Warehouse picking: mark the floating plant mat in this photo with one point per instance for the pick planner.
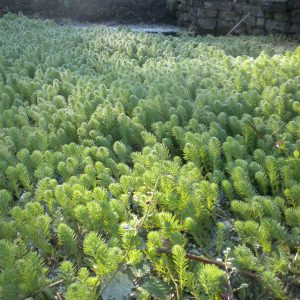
(136, 165)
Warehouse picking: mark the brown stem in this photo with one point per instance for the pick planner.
(152, 204)
(58, 296)
(48, 286)
(260, 135)
(55, 283)
(209, 261)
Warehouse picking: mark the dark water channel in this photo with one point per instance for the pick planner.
(165, 29)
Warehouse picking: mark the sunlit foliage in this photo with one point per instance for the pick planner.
(114, 144)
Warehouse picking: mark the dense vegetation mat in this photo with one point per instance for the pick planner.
(163, 167)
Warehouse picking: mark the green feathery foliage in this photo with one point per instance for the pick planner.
(114, 144)
(67, 239)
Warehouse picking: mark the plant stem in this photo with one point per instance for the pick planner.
(152, 203)
(209, 261)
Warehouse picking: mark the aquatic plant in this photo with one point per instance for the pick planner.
(173, 160)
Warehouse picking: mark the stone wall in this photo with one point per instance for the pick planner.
(201, 16)
(92, 10)
(220, 16)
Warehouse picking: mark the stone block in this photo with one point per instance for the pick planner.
(295, 28)
(243, 8)
(273, 5)
(218, 5)
(225, 25)
(241, 29)
(296, 16)
(258, 31)
(208, 24)
(260, 22)
(293, 4)
(183, 18)
(250, 22)
(276, 26)
(257, 12)
(273, 1)
(206, 13)
(228, 15)
(285, 16)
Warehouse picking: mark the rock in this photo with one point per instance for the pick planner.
(94, 10)
(293, 4)
(225, 26)
(229, 12)
(260, 22)
(295, 28)
(184, 18)
(118, 288)
(276, 26)
(228, 16)
(206, 13)
(244, 9)
(273, 5)
(257, 12)
(241, 29)
(258, 31)
(218, 5)
(250, 21)
(296, 16)
(282, 16)
(207, 23)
